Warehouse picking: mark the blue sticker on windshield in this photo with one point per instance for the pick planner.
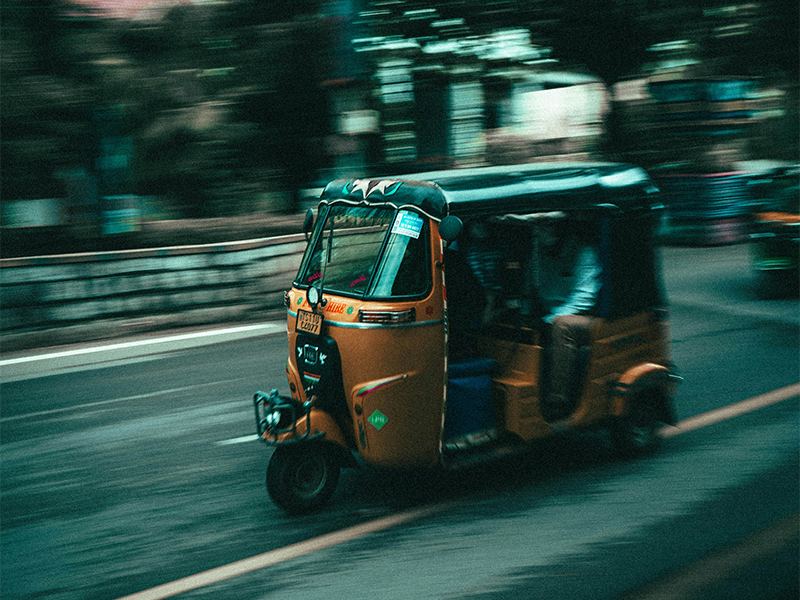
(408, 223)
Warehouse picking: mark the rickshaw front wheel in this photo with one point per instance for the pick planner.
(636, 433)
(301, 478)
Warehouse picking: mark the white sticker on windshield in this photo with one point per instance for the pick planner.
(408, 223)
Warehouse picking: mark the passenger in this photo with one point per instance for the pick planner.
(568, 281)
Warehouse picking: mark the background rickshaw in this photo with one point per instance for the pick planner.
(775, 231)
(416, 339)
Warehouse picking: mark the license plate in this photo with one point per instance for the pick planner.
(309, 322)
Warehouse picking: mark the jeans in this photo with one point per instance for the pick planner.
(568, 335)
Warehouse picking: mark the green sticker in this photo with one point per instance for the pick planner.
(378, 420)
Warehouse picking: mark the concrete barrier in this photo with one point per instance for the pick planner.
(93, 296)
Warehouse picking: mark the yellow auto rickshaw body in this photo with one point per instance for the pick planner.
(373, 367)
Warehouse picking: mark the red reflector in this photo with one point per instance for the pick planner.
(387, 316)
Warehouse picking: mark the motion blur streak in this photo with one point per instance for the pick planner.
(89, 405)
(732, 410)
(222, 334)
(280, 555)
(689, 581)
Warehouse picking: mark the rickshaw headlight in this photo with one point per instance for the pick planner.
(273, 419)
(312, 296)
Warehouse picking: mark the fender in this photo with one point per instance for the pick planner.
(322, 425)
(295, 386)
(642, 377)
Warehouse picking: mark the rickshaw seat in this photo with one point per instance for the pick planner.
(472, 367)
(470, 402)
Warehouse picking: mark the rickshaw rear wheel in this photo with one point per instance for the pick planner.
(636, 433)
(301, 479)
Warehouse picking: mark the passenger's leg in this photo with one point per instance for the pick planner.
(569, 334)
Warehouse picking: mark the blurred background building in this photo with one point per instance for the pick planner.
(116, 112)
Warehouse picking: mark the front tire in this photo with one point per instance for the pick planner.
(301, 478)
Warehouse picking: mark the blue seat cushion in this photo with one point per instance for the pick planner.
(470, 403)
(471, 367)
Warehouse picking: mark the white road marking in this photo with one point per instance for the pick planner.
(273, 557)
(732, 410)
(89, 405)
(690, 581)
(290, 552)
(259, 329)
(239, 440)
(97, 357)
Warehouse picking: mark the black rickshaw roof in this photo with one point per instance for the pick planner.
(517, 189)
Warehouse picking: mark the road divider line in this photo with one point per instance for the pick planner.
(258, 329)
(732, 410)
(239, 440)
(54, 411)
(690, 581)
(273, 557)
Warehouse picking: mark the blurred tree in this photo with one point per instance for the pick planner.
(224, 101)
(300, 113)
(45, 114)
(777, 38)
(607, 36)
(772, 50)
(43, 21)
(610, 39)
(251, 13)
(281, 67)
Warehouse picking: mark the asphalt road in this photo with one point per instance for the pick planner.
(131, 467)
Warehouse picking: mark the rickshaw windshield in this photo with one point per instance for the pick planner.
(376, 252)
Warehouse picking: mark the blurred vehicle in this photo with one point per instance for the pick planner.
(706, 209)
(420, 333)
(775, 230)
(701, 124)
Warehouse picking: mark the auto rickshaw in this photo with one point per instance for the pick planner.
(417, 339)
(775, 231)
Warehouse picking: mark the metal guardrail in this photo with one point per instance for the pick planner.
(179, 285)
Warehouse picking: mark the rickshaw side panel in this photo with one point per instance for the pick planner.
(625, 343)
(617, 347)
(395, 392)
(516, 386)
(405, 353)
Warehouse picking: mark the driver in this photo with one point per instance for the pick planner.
(566, 281)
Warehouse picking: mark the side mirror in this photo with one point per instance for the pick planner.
(450, 227)
(308, 223)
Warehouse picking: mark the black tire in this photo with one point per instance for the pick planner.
(301, 479)
(636, 433)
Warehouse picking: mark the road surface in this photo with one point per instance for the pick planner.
(129, 467)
